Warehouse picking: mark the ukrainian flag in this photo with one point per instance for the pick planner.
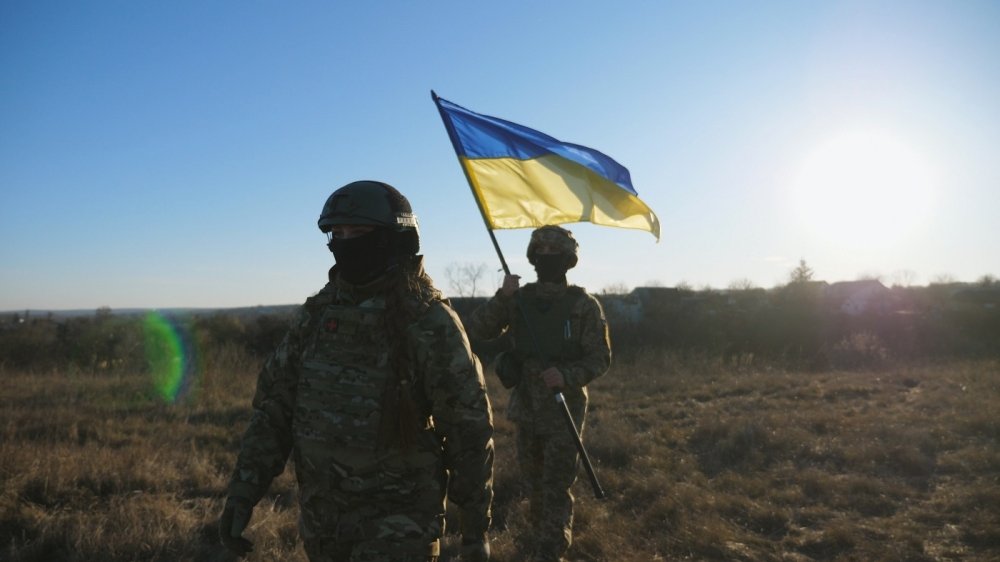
(523, 178)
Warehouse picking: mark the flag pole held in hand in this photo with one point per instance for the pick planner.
(625, 211)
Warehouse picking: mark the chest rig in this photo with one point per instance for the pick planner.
(544, 327)
(344, 372)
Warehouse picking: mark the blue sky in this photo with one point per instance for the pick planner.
(178, 154)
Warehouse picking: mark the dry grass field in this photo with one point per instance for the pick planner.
(702, 460)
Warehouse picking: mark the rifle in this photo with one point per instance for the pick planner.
(560, 399)
(598, 490)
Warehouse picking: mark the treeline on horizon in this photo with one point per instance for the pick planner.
(794, 326)
(800, 325)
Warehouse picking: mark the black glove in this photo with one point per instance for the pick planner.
(235, 517)
(475, 549)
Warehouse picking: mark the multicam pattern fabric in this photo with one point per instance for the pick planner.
(531, 401)
(319, 400)
(556, 236)
(570, 333)
(549, 461)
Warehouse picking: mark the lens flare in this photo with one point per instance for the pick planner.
(171, 356)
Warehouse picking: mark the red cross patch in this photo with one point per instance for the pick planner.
(331, 325)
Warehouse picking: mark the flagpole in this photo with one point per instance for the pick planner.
(560, 399)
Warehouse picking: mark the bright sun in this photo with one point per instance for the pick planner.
(862, 189)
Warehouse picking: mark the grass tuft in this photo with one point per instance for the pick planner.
(702, 459)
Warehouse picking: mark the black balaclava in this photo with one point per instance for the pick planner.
(363, 258)
(551, 268)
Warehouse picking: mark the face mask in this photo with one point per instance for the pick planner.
(551, 268)
(362, 258)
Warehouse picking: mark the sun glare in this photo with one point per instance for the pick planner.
(862, 189)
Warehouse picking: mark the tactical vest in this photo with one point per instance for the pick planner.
(545, 329)
(343, 376)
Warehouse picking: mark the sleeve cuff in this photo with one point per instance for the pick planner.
(570, 377)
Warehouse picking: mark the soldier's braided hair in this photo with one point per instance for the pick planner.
(409, 293)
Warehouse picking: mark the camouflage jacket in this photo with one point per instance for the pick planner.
(531, 400)
(297, 412)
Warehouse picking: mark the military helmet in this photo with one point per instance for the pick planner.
(554, 236)
(368, 202)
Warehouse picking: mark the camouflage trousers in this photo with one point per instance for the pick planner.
(390, 511)
(354, 536)
(549, 464)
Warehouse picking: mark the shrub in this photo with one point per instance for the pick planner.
(858, 350)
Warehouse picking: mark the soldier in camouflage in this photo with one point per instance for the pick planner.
(376, 396)
(560, 344)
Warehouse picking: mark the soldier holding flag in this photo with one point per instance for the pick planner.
(523, 178)
(560, 345)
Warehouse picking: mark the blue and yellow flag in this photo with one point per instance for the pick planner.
(523, 178)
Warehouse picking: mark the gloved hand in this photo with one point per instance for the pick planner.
(475, 549)
(235, 517)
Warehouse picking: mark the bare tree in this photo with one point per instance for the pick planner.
(743, 284)
(464, 278)
(943, 279)
(903, 278)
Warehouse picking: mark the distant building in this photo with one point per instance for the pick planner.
(858, 297)
(632, 307)
(978, 296)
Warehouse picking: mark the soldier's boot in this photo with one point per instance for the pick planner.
(553, 541)
(548, 557)
(552, 544)
(548, 552)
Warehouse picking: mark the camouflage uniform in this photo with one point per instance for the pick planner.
(321, 398)
(561, 326)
